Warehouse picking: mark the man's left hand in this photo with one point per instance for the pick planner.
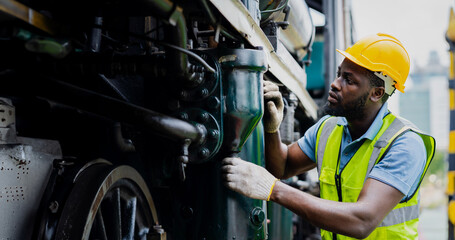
(247, 178)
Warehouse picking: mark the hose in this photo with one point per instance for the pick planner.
(276, 9)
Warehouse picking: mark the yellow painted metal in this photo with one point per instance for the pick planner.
(17, 10)
(451, 210)
(451, 29)
(451, 71)
(452, 99)
(450, 36)
(452, 142)
(450, 183)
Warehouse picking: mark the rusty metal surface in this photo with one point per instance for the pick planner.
(13, 9)
(24, 172)
(7, 122)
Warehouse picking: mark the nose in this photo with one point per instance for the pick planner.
(335, 85)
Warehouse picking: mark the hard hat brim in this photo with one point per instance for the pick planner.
(353, 59)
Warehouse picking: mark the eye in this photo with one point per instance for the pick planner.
(347, 78)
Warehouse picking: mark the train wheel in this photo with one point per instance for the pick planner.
(109, 203)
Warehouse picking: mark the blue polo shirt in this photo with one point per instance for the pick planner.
(401, 166)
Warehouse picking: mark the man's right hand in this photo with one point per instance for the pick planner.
(273, 114)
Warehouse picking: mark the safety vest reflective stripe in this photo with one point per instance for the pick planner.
(400, 215)
(396, 127)
(327, 127)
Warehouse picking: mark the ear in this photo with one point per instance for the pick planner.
(377, 93)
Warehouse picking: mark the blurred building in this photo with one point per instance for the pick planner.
(426, 101)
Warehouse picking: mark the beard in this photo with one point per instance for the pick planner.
(354, 110)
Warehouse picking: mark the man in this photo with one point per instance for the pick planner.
(370, 163)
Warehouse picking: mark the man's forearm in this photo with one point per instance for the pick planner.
(350, 219)
(275, 154)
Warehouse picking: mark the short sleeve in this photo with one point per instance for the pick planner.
(308, 142)
(403, 164)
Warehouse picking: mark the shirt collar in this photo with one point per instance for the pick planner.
(374, 127)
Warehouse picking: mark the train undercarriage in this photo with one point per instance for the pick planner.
(115, 114)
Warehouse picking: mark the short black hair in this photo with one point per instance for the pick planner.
(375, 81)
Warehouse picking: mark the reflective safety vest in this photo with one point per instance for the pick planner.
(345, 186)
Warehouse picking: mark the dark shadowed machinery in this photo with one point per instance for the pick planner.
(115, 114)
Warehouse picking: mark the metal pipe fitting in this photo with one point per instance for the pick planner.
(157, 123)
(175, 32)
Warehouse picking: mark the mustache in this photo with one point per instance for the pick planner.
(334, 94)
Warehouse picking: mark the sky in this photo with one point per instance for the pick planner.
(419, 24)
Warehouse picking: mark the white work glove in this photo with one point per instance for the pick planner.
(273, 114)
(247, 178)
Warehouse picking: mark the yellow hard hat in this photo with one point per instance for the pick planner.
(384, 55)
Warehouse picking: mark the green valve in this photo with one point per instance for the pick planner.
(257, 216)
(48, 46)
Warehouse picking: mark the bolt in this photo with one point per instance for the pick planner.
(204, 92)
(196, 68)
(214, 133)
(183, 159)
(201, 77)
(183, 116)
(204, 153)
(194, 80)
(203, 117)
(184, 94)
(53, 207)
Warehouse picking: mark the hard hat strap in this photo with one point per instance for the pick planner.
(389, 83)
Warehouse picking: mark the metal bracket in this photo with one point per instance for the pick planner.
(157, 234)
(272, 33)
(284, 24)
(183, 159)
(271, 30)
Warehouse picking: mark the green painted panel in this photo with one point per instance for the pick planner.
(315, 71)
